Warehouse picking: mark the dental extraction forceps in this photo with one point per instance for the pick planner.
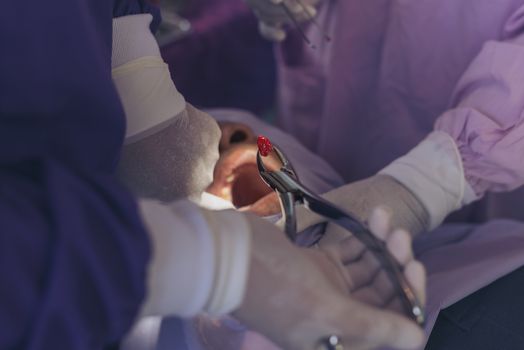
(290, 191)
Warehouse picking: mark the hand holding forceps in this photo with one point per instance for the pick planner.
(290, 191)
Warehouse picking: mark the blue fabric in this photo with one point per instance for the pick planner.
(73, 251)
(491, 318)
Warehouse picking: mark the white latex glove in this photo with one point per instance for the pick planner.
(175, 162)
(361, 197)
(272, 16)
(399, 208)
(368, 282)
(296, 296)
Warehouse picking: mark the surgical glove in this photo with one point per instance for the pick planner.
(175, 162)
(296, 296)
(368, 281)
(361, 197)
(273, 17)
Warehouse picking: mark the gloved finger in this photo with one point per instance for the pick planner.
(368, 295)
(292, 6)
(271, 33)
(379, 293)
(363, 272)
(379, 222)
(394, 304)
(399, 245)
(416, 275)
(297, 6)
(284, 13)
(382, 294)
(300, 12)
(334, 235)
(377, 328)
(384, 287)
(350, 250)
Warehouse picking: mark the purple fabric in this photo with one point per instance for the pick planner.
(73, 251)
(393, 68)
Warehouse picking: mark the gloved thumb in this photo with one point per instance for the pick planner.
(380, 328)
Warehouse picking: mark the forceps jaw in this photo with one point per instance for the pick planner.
(284, 183)
(282, 180)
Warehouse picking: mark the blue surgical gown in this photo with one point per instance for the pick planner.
(73, 250)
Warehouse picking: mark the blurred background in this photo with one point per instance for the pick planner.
(216, 56)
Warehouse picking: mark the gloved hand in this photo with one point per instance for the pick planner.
(296, 296)
(175, 162)
(368, 282)
(400, 208)
(361, 197)
(273, 17)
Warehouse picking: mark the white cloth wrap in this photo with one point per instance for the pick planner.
(433, 171)
(200, 259)
(142, 79)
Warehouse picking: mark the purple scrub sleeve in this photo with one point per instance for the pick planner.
(73, 250)
(395, 71)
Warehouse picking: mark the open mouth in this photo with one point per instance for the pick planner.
(236, 177)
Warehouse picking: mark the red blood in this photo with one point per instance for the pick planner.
(264, 146)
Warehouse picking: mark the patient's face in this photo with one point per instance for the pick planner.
(236, 177)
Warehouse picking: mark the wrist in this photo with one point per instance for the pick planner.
(433, 172)
(200, 259)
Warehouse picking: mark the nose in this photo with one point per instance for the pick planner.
(234, 134)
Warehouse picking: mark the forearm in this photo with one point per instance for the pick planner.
(200, 259)
(477, 144)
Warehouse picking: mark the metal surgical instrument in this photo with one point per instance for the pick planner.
(291, 192)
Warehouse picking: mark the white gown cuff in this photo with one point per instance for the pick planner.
(132, 39)
(433, 171)
(233, 247)
(142, 79)
(200, 259)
